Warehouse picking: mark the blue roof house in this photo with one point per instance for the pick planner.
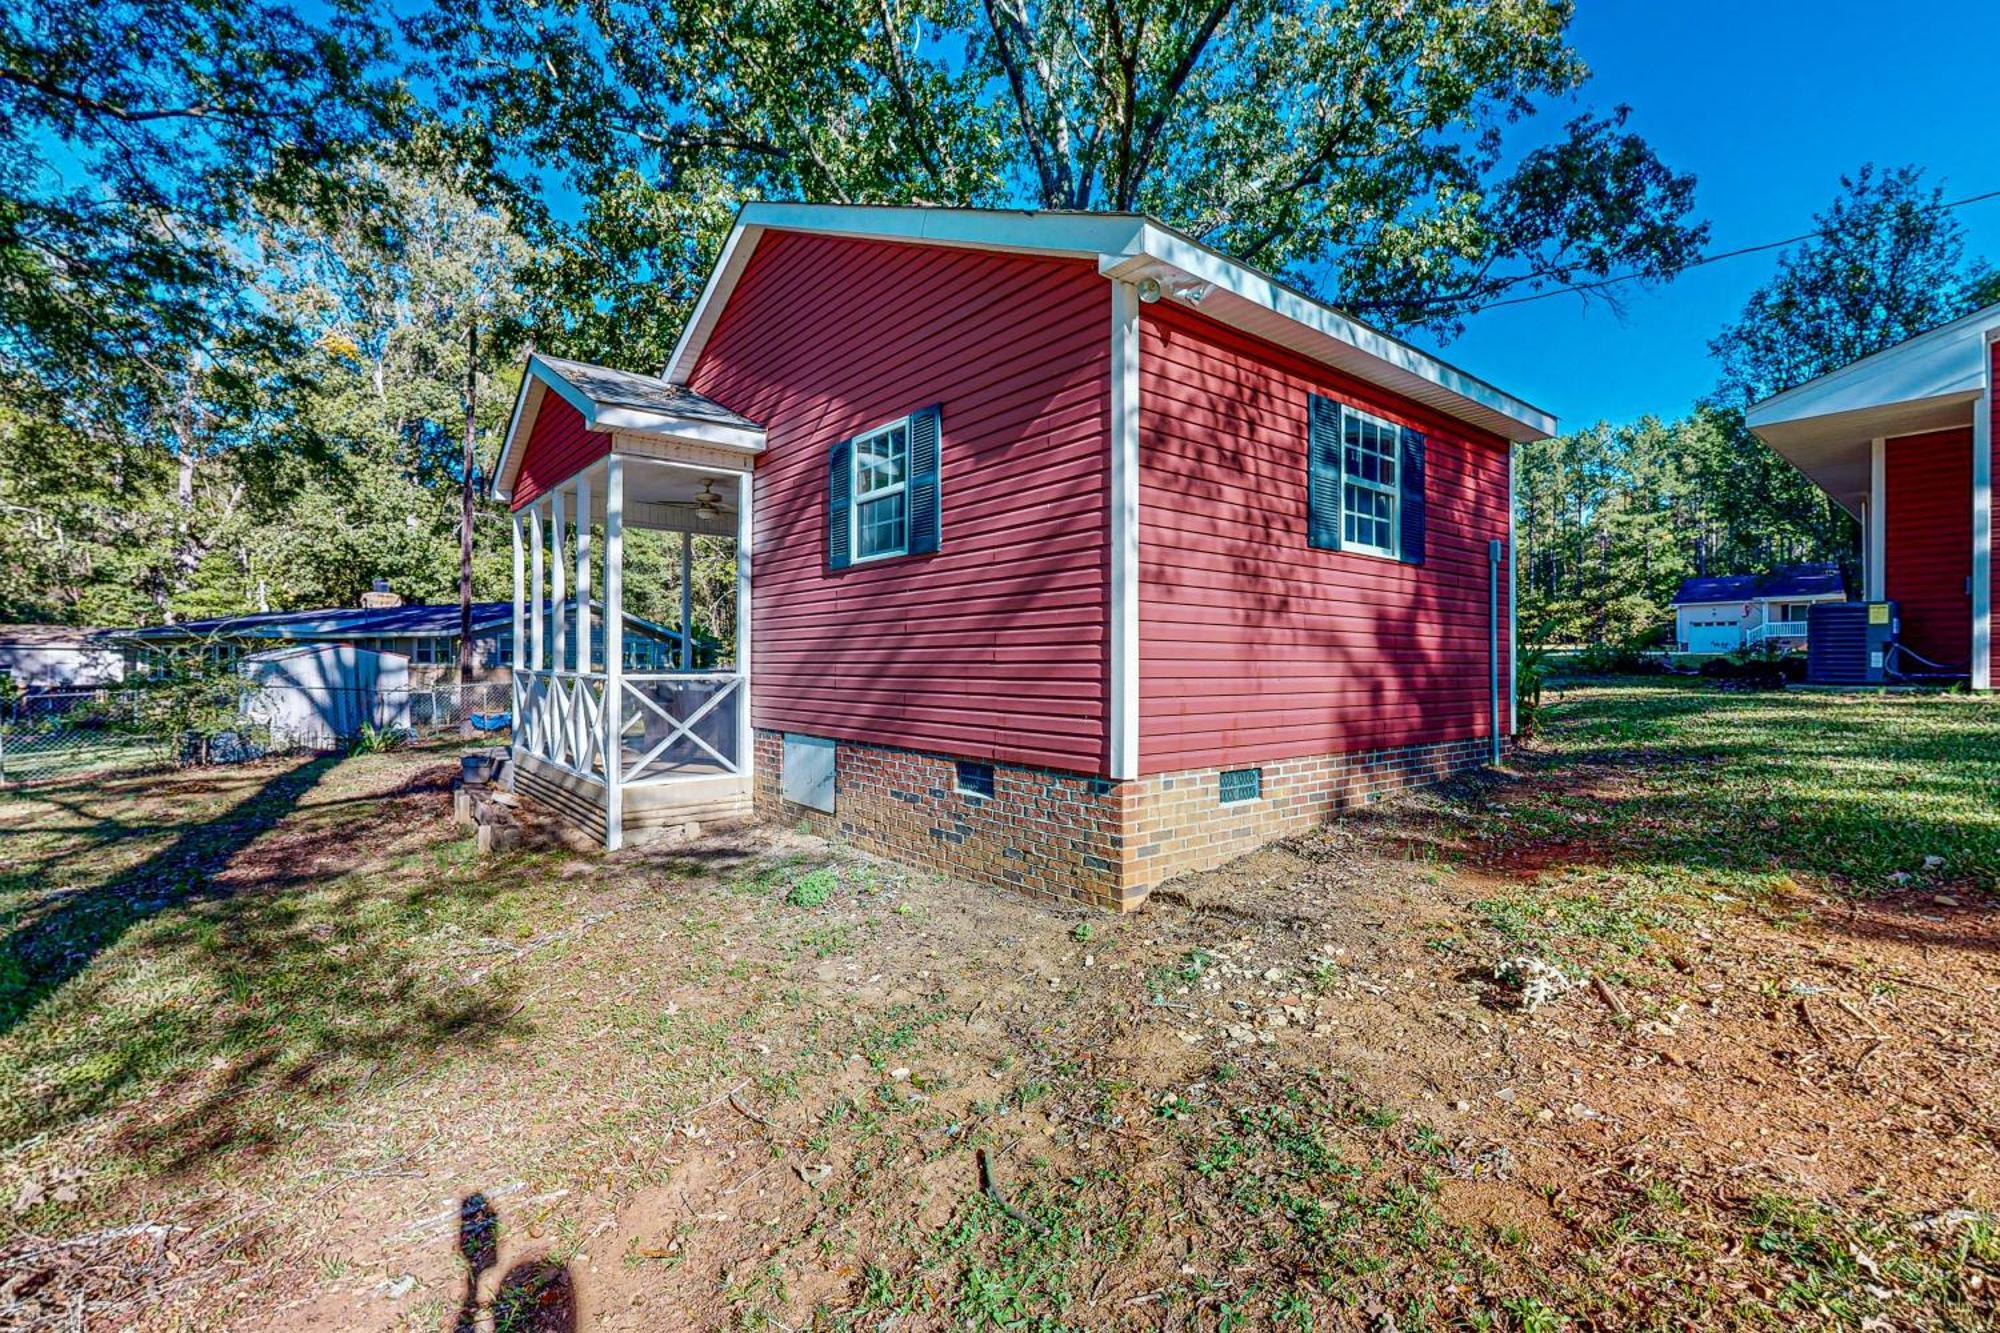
(1724, 613)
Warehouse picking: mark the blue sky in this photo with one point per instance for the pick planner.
(1768, 104)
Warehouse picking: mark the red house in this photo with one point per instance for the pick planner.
(1903, 440)
(1072, 555)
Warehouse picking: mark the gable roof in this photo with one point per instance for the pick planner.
(620, 400)
(1131, 247)
(1791, 581)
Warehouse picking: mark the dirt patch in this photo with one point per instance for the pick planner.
(1288, 1090)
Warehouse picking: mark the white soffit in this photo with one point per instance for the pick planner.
(1130, 246)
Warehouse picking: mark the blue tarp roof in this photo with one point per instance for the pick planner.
(415, 621)
(1791, 581)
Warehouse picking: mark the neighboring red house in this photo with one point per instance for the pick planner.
(1903, 440)
(1078, 555)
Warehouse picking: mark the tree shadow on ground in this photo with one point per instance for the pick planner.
(294, 946)
(59, 934)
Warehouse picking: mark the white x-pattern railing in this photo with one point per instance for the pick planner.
(643, 689)
(564, 719)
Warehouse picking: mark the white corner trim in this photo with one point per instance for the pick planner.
(1875, 574)
(1982, 525)
(1124, 519)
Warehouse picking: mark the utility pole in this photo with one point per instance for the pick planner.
(465, 499)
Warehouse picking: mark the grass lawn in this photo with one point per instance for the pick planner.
(278, 1050)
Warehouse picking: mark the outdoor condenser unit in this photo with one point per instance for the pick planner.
(1847, 643)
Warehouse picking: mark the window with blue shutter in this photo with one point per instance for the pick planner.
(839, 505)
(1323, 473)
(1365, 483)
(883, 493)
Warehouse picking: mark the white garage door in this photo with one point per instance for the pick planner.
(1714, 636)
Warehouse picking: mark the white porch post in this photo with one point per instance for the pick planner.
(687, 601)
(614, 652)
(1982, 524)
(539, 580)
(1874, 569)
(580, 713)
(745, 739)
(520, 592)
(558, 593)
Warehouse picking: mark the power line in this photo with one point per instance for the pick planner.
(1705, 260)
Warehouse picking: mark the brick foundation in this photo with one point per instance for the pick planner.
(1078, 838)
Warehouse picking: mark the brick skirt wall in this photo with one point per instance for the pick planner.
(1078, 838)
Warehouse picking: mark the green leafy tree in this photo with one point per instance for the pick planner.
(1886, 262)
(136, 138)
(1367, 149)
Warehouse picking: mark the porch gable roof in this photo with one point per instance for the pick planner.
(617, 400)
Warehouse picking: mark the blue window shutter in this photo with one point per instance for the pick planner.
(1323, 473)
(926, 530)
(839, 486)
(1411, 523)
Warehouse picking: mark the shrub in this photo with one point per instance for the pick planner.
(1618, 659)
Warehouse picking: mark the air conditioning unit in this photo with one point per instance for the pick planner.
(1848, 643)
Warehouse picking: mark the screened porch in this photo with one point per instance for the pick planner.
(611, 742)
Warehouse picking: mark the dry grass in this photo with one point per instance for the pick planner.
(268, 1030)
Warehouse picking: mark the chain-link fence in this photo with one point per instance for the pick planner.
(74, 733)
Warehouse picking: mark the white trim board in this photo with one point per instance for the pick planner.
(1123, 705)
(1982, 521)
(1130, 247)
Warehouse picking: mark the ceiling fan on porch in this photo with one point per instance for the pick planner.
(709, 503)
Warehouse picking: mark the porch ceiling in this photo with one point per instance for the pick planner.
(1834, 450)
(666, 497)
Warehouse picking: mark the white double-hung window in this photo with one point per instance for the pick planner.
(1369, 491)
(880, 492)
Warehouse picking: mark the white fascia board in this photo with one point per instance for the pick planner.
(519, 424)
(1205, 265)
(1942, 363)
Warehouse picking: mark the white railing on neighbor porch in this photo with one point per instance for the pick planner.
(1788, 632)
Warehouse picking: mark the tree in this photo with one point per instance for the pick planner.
(1886, 262)
(1360, 148)
(181, 122)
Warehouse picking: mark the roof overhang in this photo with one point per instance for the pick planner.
(1825, 426)
(605, 413)
(1131, 247)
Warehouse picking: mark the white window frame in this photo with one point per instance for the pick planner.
(855, 499)
(431, 650)
(1394, 492)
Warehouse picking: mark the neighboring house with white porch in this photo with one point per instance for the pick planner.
(1725, 613)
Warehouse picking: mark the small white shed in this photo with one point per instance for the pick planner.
(318, 695)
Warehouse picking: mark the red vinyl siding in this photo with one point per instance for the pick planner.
(1929, 542)
(1256, 647)
(995, 646)
(559, 447)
